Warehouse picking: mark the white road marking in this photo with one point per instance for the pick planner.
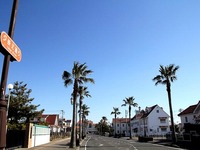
(86, 143)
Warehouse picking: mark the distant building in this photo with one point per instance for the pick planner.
(88, 126)
(65, 125)
(122, 126)
(151, 121)
(91, 127)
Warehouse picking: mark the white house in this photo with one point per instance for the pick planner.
(122, 126)
(151, 121)
(190, 115)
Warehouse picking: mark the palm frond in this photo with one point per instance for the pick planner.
(167, 74)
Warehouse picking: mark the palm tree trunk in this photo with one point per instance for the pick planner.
(80, 120)
(115, 124)
(171, 113)
(130, 121)
(73, 133)
(83, 126)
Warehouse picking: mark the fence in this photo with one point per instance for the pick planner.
(13, 142)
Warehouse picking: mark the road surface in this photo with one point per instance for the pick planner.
(96, 142)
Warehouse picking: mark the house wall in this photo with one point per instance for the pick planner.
(188, 118)
(154, 123)
(121, 128)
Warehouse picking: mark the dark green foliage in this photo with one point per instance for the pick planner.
(21, 111)
(103, 126)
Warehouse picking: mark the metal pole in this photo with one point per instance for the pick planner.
(4, 76)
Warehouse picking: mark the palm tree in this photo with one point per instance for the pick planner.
(82, 91)
(104, 119)
(77, 77)
(115, 112)
(85, 112)
(103, 122)
(166, 77)
(130, 102)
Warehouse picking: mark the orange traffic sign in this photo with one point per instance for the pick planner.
(10, 46)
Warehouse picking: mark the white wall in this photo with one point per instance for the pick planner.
(40, 135)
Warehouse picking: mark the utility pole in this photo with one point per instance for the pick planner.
(62, 114)
(4, 76)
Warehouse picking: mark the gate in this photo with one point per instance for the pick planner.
(15, 139)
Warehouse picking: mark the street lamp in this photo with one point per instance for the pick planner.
(10, 87)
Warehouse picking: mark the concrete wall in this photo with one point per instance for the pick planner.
(37, 135)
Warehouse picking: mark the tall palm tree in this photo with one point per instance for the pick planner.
(166, 77)
(77, 77)
(130, 102)
(82, 91)
(85, 112)
(115, 112)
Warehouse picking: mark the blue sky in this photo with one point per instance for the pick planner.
(122, 41)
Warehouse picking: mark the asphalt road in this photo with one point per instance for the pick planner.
(95, 142)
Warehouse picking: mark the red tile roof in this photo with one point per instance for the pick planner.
(188, 110)
(50, 119)
(120, 120)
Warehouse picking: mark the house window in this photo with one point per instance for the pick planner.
(163, 129)
(90, 125)
(118, 125)
(122, 125)
(186, 119)
(118, 131)
(162, 120)
(157, 111)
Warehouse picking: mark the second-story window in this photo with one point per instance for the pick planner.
(186, 119)
(162, 120)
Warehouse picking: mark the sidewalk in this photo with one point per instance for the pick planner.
(61, 144)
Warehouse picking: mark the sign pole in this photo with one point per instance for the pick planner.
(4, 76)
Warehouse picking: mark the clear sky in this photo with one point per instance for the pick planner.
(122, 41)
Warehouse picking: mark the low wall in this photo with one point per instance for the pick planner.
(37, 135)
